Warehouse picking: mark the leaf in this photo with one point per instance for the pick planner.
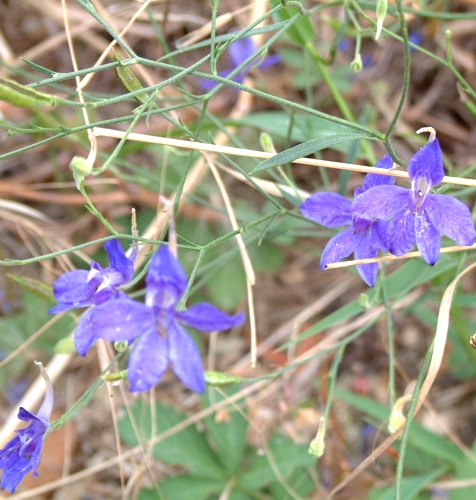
(37, 287)
(466, 469)
(306, 149)
(184, 488)
(420, 437)
(229, 433)
(188, 447)
(302, 31)
(287, 456)
(227, 285)
(411, 486)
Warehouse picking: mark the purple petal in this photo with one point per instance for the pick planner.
(59, 308)
(327, 209)
(240, 50)
(401, 232)
(84, 335)
(380, 202)
(381, 228)
(452, 218)
(185, 358)
(148, 361)
(427, 163)
(338, 247)
(365, 247)
(166, 280)
(71, 288)
(118, 260)
(428, 239)
(120, 319)
(372, 180)
(207, 318)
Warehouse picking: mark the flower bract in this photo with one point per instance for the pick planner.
(22, 454)
(80, 288)
(362, 236)
(416, 215)
(163, 338)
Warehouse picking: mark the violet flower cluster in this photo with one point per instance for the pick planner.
(157, 325)
(393, 218)
(22, 454)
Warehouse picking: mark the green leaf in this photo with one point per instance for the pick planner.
(420, 437)
(305, 149)
(37, 287)
(227, 285)
(302, 30)
(188, 447)
(184, 488)
(229, 435)
(287, 456)
(266, 257)
(411, 486)
(466, 469)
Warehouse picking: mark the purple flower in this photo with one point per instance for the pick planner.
(240, 50)
(22, 454)
(416, 214)
(363, 236)
(159, 324)
(82, 288)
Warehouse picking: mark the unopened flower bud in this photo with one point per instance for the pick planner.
(397, 417)
(120, 345)
(80, 167)
(317, 445)
(356, 65)
(267, 143)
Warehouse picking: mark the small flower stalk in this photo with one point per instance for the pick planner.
(22, 454)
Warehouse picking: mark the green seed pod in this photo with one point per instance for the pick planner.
(356, 65)
(317, 446)
(218, 379)
(381, 13)
(23, 96)
(128, 79)
(115, 376)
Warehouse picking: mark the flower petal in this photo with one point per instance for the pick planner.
(380, 202)
(427, 163)
(208, 318)
(118, 260)
(401, 232)
(84, 335)
(120, 319)
(71, 288)
(166, 280)
(452, 218)
(148, 361)
(185, 358)
(327, 209)
(428, 239)
(338, 247)
(372, 180)
(366, 246)
(240, 50)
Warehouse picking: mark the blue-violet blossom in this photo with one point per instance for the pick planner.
(22, 454)
(240, 50)
(159, 324)
(82, 288)
(416, 214)
(363, 236)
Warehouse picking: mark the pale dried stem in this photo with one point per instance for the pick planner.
(217, 148)
(248, 266)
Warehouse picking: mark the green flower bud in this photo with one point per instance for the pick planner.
(356, 65)
(121, 345)
(80, 167)
(218, 379)
(381, 13)
(267, 143)
(317, 445)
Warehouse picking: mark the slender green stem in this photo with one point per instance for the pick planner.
(406, 71)
(410, 415)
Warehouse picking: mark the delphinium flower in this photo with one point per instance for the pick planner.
(163, 339)
(416, 214)
(23, 453)
(363, 236)
(81, 288)
(239, 51)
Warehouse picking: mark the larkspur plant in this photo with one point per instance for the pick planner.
(239, 51)
(415, 214)
(80, 288)
(23, 453)
(116, 317)
(362, 236)
(387, 217)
